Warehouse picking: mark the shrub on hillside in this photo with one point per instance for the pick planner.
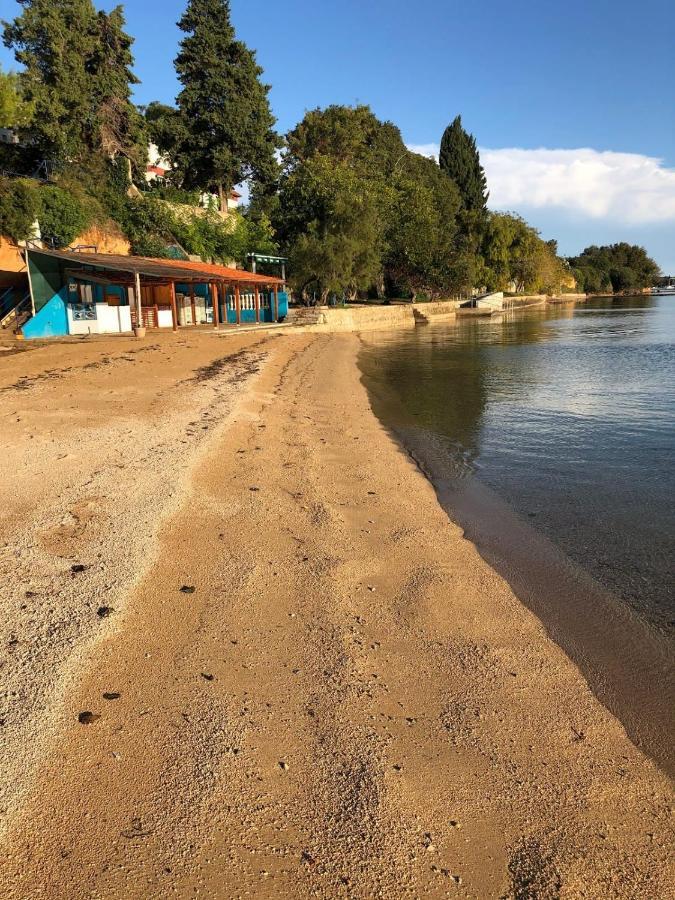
(18, 208)
(62, 216)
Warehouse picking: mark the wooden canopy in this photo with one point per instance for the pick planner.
(132, 272)
(124, 269)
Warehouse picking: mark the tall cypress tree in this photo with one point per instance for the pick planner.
(460, 160)
(77, 74)
(224, 107)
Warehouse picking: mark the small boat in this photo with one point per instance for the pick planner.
(664, 289)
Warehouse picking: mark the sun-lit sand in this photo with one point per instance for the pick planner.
(245, 651)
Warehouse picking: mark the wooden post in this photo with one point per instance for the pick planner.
(140, 327)
(257, 303)
(174, 313)
(215, 301)
(192, 304)
(237, 303)
(276, 303)
(222, 298)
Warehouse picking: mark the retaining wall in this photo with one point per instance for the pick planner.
(367, 318)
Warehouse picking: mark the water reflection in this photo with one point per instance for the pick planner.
(566, 412)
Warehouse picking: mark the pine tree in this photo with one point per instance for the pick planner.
(460, 160)
(77, 74)
(224, 107)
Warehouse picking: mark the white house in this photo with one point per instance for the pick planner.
(159, 165)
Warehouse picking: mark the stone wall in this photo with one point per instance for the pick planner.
(366, 318)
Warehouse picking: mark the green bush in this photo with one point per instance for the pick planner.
(18, 208)
(62, 216)
(151, 225)
(161, 191)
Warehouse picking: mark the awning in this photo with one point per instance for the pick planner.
(160, 270)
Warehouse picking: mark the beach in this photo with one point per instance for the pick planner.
(248, 653)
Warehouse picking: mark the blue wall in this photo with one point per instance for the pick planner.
(50, 321)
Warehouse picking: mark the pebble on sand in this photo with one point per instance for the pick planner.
(187, 589)
(111, 695)
(87, 717)
(104, 611)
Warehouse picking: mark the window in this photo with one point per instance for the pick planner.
(82, 302)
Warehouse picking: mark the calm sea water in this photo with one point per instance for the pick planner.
(565, 414)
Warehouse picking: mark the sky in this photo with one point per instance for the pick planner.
(572, 103)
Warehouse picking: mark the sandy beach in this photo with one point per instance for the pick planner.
(246, 653)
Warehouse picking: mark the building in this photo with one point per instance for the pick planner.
(75, 292)
(159, 165)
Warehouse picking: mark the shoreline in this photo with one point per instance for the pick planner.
(622, 652)
(625, 659)
(351, 701)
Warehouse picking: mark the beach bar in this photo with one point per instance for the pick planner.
(74, 292)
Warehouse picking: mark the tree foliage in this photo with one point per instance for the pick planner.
(77, 76)
(459, 159)
(225, 134)
(424, 253)
(18, 208)
(164, 125)
(61, 215)
(514, 256)
(357, 210)
(617, 267)
(15, 111)
(336, 247)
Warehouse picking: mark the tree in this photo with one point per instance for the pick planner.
(15, 111)
(616, 267)
(338, 249)
(164, 126)
(424, 254)
(53, 41)
(77, 74)
(459, 159)
(227, 126)
(119, 125)
(18, 208)
(364, 210)
(513, 253)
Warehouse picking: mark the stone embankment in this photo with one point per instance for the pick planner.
(364, 318)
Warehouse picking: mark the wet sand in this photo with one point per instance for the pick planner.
(310, 684)
(626, 661)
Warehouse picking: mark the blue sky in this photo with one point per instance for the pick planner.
(526, 75)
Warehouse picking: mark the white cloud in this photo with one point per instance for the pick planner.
(625, 187)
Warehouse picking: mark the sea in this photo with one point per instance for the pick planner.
(549, 435)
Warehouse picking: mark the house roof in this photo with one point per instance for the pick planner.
(176, 270)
